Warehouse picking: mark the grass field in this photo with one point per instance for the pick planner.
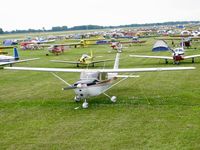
(159, 110)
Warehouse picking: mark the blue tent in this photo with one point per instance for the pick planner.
(9, 42)
(102, 42)
(160, 45)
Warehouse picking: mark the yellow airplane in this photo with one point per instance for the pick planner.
(84, 60)
(4, 47)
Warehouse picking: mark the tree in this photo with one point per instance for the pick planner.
(1, 31)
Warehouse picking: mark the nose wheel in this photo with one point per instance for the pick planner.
(85, 104)
(113, 99)
(77, 99)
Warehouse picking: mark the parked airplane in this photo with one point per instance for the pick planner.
(75, 45)
(117, 46)
(56, 49)
(2, 52)
(59, 48)
(5, 60)
(94, 82)
(84, 60)
(177, 56)
(4, 47)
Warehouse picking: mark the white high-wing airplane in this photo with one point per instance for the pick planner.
(94, 82)
(177, 55)
(9, 60)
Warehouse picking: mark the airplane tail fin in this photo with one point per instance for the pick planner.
(91, 54)
(116, 65)
(15, 53)
(182, 44)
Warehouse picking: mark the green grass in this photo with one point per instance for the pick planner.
(159, 110)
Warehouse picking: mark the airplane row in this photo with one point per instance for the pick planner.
(177, 56)
(92, 82)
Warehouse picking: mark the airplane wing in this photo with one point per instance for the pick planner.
(67, 44)
(146, 56)
(6, 47)
(191, 56)
(77, 62)
(63, 61)
(100, 61)
(128, 70)
(17, 61)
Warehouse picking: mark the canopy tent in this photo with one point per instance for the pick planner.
(160, 45)
(9, 42)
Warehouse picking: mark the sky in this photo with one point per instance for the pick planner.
(26, 14)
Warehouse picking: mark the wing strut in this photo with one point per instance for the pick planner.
(55, 75)
(116, 84)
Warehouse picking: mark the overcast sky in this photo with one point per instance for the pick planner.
(25, 14)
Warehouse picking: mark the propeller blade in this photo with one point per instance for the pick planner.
(69, 88)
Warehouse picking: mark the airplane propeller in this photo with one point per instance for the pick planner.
(70, 87)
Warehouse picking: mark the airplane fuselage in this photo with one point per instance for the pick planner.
(85, 59)
(178, 57)
(86, 91)
(178, 54)
(92, 84)
(56, 49)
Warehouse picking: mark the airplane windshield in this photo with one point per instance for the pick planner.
(89, 75)
(179, 50)
(84, 56)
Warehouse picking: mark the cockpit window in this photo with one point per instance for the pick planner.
(89, 75)
(84, 56)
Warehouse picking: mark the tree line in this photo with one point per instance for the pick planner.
(91, 27)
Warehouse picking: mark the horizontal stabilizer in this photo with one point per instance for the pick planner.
(64, 61)
(100, 61)
(17, 61)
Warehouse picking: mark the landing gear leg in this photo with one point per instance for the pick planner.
(176, 62)
(77, 99)
(192, 60)
(85, 104)
(113, 98)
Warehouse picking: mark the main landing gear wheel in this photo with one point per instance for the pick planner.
(113, 99)
(192, 60)
(85, 104)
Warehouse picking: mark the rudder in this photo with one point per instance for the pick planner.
(15, 53)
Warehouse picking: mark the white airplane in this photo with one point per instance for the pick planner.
(177, 55)
(9, 60)
(94, 82)
(117, 46)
